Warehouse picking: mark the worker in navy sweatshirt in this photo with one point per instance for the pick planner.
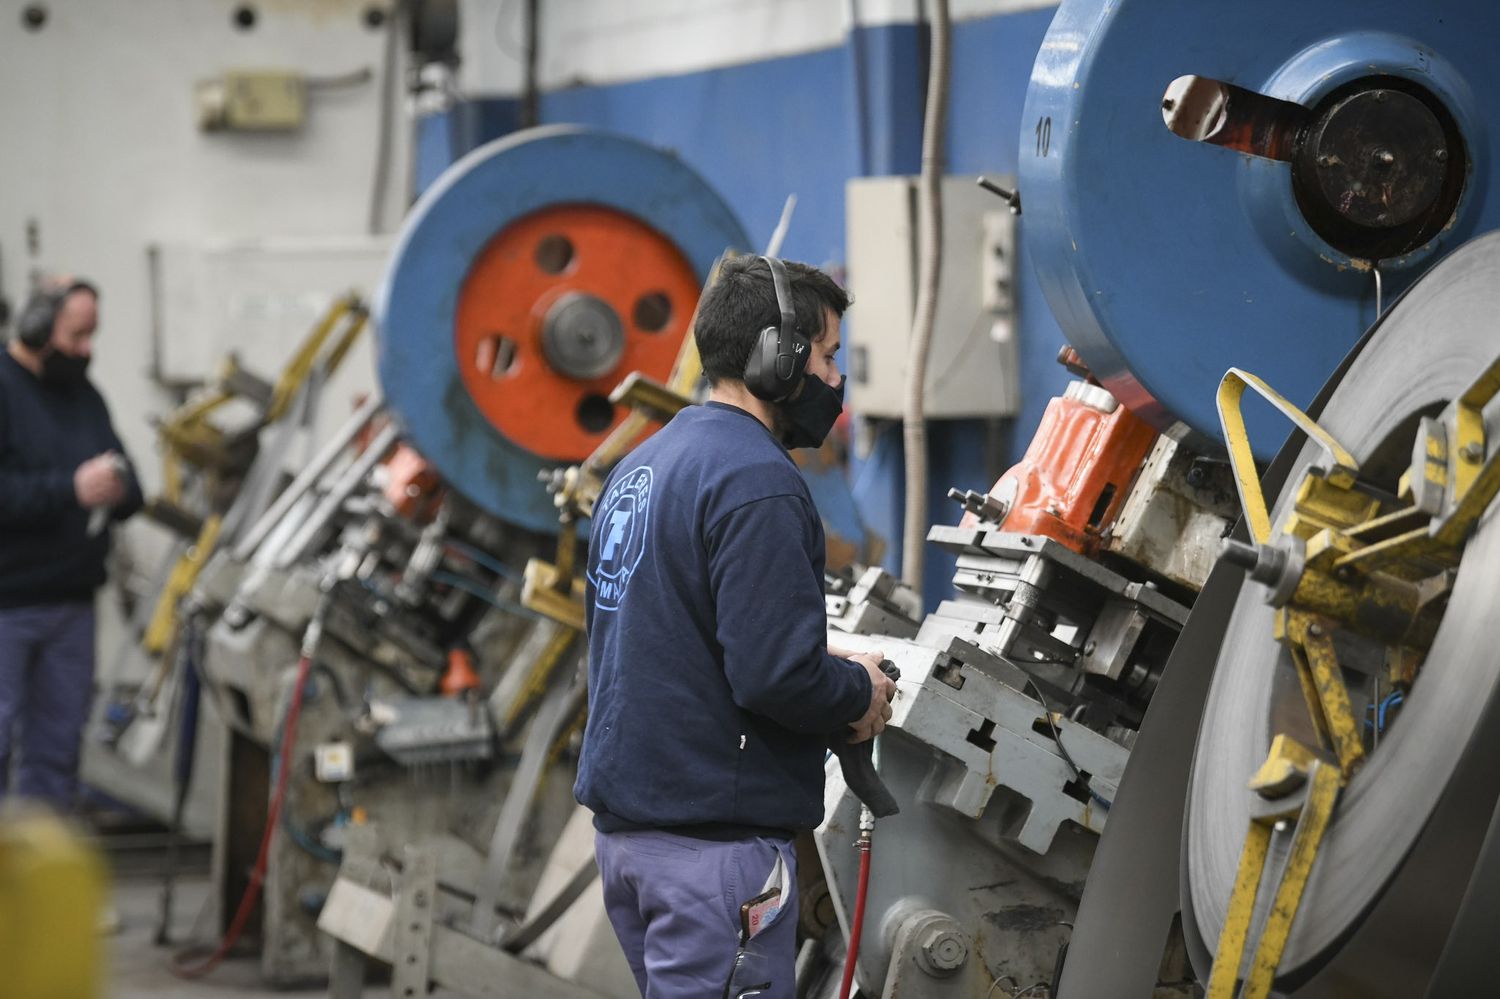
(712, 693)
(63, 478)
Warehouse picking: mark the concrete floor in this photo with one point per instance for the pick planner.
(139, 969)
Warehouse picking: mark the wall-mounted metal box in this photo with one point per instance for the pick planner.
(248, 100)
(971, 370)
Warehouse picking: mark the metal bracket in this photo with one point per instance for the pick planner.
(348, 312)
(361, 917)
(541, 593)
(653, 399)
(1309, 638)
(412, 933)
(164, 618)
(1286, 763)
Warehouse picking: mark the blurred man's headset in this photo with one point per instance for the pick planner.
(34, 328)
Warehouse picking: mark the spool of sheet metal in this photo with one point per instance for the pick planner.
(533, 276)
(1206, 185)
(1398, 854)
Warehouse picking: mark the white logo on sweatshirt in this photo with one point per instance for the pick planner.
(621, 522)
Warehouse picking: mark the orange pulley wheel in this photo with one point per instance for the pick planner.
(557, 309)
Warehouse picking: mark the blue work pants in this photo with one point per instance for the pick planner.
(46, 687)
(674, 902)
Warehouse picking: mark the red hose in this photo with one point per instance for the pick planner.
(273, 816)
(856, 929)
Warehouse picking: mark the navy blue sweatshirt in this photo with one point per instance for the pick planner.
(46, 431)
(711, 690)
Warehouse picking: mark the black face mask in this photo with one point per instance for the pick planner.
(806, 418)
(63, 369)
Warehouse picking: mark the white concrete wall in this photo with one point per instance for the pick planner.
(101, 150)
(609, 41)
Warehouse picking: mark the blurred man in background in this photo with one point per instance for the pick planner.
(63, 478)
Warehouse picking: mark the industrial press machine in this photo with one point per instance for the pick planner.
(1125, 765)
(1221, 227)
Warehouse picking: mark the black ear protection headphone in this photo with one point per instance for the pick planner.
(779, 357)
(34, 327)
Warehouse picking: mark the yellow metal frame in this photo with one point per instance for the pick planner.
(163, 626)
(189, 438)
(1310, 642)
(539, 675)
(349, 310)
(1469, 439)
(1342, 471)
(1312, 815)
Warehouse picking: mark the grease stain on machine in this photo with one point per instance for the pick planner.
(1025, 918)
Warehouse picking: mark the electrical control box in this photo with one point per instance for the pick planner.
(260, 100)
(972, 364)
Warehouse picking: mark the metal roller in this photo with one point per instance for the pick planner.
(1393, 866)
(1182, 226)
(532, 277)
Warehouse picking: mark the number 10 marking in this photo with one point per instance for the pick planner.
(1043, 135)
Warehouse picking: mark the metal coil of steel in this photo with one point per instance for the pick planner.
(1406, 834)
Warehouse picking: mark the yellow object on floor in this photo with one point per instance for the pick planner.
(51, 894)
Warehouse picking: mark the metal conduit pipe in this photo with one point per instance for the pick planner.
(930, 249)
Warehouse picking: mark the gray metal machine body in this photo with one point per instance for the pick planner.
(381, 759)
(1010, 734)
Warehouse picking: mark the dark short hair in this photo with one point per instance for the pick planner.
(743, 302)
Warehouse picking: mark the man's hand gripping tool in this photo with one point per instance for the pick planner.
(858, 764)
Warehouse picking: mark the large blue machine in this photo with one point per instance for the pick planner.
(1343, 137)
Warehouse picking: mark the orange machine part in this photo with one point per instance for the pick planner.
(503, 306)
(1075, 475)
(460, 677)
(412, 485)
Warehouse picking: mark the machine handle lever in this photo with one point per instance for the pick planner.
(1011, 198)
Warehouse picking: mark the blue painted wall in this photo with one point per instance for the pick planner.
(805, 124)
(443, 138)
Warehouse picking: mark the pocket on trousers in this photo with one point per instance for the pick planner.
(788, 855)
(756, 863)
